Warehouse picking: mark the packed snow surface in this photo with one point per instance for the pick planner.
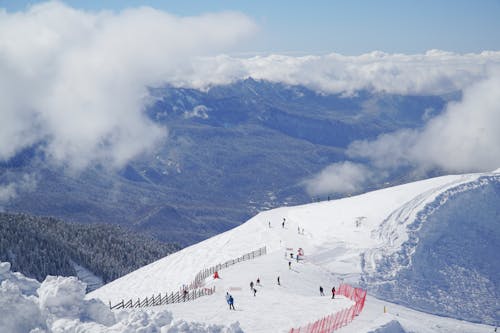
(342, 240)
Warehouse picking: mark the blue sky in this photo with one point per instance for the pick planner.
(348, 27)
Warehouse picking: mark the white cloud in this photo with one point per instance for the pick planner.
(78, 80)
(199, 111)
(435, 72)
(465, 138)
(9, 191)
(343, 177)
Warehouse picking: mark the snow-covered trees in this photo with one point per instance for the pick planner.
(41, 246)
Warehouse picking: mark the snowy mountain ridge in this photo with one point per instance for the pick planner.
(348, 239)
(394, 227)
(411, 217)
(401, 224)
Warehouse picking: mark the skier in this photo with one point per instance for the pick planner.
(251, 285)
(289, 265)
(321, 291)
(230, 301)
(269, 224)
(283, 224)
(333, 292)
(279, 281)
(258, 281)
(254, 291)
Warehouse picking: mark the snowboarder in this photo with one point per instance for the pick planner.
(279, 281)
(333, 292)
(251, 285)
(321, 291)
(254, 291)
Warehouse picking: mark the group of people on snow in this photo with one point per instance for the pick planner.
(321, 293)
(229, 297)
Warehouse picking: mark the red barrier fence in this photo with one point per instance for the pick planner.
(339, 319)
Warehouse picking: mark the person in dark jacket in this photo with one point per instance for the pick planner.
(230, 301)
(333, 292)
(321, 291)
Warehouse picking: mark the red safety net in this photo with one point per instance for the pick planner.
(339, 319)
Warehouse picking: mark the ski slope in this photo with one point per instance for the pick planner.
(342, 239)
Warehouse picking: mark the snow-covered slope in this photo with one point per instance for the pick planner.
(349, 240)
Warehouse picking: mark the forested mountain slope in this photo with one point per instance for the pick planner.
(41, 246)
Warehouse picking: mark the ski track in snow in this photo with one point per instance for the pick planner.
(399, 231)
(393, 231)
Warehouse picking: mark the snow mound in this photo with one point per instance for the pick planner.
(452, 242)
(58, 305)
(61, 296)
(391, 327)
(19, 313)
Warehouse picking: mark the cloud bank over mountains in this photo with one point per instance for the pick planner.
(465, 138)
(433, 73)
(78, 81)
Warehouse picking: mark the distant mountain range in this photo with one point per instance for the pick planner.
(232, 151)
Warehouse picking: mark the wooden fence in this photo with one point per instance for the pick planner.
(202, 275)
(177, 297)
(192, 291)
